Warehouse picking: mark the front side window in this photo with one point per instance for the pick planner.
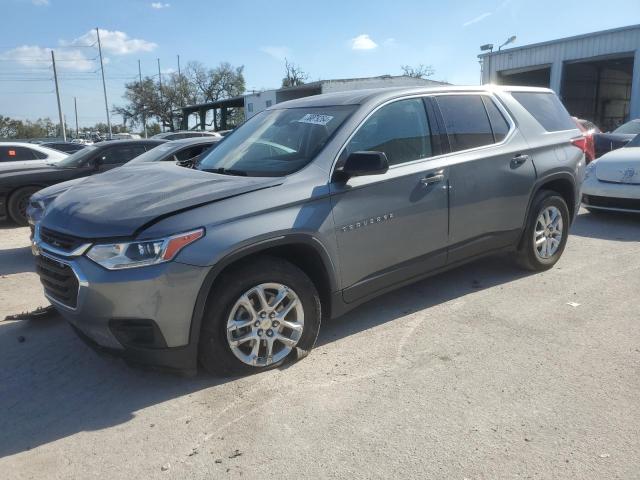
(275, 143)
(466, 121)
(399, 129)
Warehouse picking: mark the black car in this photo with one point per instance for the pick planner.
(606, 142)
(66, 147)
(16, 186)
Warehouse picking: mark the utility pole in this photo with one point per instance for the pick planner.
(161, 99)
(104, 85)
(179, 73)
(55, 79)
(75, 107)
(144, 117)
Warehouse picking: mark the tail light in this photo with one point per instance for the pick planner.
(585, 143)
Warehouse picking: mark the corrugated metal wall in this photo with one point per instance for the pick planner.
(555, 53)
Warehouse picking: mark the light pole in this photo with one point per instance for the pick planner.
(509, 40)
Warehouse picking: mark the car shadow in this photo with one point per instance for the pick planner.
(52, 385)
(16, 260)
(617, 226)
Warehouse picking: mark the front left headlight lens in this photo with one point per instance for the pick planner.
(117, 256)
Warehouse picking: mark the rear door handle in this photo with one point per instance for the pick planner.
(519, 160)
(434, 177)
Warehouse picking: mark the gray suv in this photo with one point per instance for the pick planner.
(307, 210)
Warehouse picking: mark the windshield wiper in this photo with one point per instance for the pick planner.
(225, 171)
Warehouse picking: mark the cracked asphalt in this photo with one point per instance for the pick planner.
(484, 372)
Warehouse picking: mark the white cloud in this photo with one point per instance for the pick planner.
(477, 19)
(40, 3)
(363, 42)
(114, 42)
(277, 52)
(73, 55)
(159, 5)
(34, 56)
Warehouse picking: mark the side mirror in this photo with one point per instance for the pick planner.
(362, 163)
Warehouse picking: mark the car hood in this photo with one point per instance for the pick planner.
(620, 166)
(120, 202)
(55, 190)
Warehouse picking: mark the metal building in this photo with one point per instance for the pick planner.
(597, 75)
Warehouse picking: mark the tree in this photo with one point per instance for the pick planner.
(199, 84)
(421, 71)
(294, 75)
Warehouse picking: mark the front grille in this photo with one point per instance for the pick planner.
(59, 281)
(59, 240)
(611, 202)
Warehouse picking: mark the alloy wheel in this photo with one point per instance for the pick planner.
(265, 324)
(548, 232)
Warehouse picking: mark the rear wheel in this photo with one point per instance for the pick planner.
(18, 203)
(546, 233)
(260, 315)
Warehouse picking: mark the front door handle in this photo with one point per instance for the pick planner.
(519, 160)
(434, 177)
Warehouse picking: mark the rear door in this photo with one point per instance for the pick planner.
(491, 174)
(392, 227)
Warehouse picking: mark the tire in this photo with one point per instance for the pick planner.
(226, 309)
(17, 204)
(545, 255)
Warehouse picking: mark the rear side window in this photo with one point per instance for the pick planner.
(499, 125)
(400, 130)
(16, 154)
(547, 109)
(466, 121)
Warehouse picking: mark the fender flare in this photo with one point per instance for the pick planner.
(242, 252)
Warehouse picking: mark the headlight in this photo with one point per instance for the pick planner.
(116, 256)
(591, 169)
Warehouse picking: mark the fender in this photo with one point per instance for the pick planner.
(214, 272)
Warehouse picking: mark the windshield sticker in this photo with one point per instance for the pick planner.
(316, 119)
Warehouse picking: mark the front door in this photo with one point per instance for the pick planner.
(392, 227)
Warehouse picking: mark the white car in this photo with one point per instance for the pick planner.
(612, 182)
(22, 154)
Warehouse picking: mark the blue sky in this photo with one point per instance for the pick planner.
(328, 39)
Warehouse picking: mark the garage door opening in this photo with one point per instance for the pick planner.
(539, 77)
(599, 90)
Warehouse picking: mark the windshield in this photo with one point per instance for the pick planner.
(78, 158)
(632, 128)
(276, 143)
(635, 142)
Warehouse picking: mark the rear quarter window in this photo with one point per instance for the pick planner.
(547, 109)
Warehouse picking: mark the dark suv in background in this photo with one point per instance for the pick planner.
(310, 208)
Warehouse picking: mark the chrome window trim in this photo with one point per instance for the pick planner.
(498, 104)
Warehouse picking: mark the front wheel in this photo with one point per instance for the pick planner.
(260, 314)
(546, 232)
(18, 203)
